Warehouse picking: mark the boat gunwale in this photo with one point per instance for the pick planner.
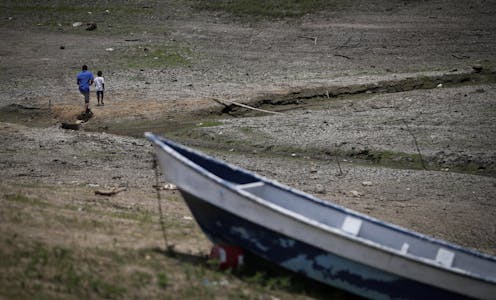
(167, 144)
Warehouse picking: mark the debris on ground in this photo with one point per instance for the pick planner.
(166, 187)
(72, 126)
(110, 192)
(85, 115)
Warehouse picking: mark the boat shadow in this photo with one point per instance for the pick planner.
(265, 273)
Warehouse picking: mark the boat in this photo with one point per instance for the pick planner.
(319, 239)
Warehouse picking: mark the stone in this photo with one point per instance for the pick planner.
(477, 68)
(320, 189)
(355, 194)
(71, 126)
(91, 26)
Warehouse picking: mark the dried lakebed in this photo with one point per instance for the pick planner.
(422, 159)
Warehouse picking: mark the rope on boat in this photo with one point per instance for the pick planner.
(159, 201)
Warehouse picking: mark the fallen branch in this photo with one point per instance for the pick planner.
(314, 39)
(111, 192)
(460, 57)
(245, 106)
(340, 55)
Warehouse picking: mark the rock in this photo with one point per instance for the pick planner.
(77, 24)
(109, 49)
(71, 126)
(320, 189)
(355, 194)
(170, 186)
(477, 68)
(367, 183)
(91, 26)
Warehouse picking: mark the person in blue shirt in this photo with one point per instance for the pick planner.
(84, 80)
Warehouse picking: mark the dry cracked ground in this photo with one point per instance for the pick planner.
(386, 108)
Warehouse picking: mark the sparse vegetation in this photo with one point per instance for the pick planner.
(62, 15)
(271, 9)
(65, 262)
(208, 124)
(36, 267)
(154, 56)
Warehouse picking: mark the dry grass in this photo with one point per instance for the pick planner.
(65, 242)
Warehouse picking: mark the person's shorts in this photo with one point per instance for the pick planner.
(99, 93)
(86, 95)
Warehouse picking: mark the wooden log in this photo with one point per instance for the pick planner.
(245, 106)
(111, 192)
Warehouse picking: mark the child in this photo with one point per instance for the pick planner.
(100, 86)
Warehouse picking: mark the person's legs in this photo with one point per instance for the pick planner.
(87, 101)
(99, 95)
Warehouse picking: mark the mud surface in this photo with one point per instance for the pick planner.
(388, 109)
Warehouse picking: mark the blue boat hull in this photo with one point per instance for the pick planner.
(225, 228)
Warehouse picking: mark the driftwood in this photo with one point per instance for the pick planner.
(460, 57)
(340, 55)
(222, 101)
(314, 39)
(111, 192)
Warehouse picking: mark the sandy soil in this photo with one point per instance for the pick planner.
(361, 151)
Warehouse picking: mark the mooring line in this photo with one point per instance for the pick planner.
(159, 200)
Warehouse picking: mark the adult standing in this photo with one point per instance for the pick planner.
(84, 80)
